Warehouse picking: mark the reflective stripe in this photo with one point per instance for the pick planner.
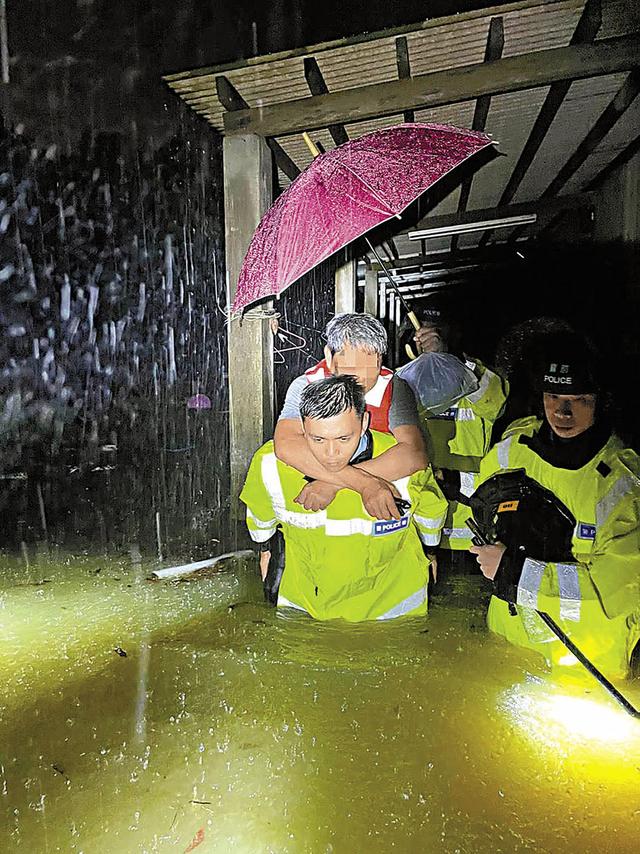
(285, 603)
(429, 539)
(402, 485)
(409, 604)
(271, 479)
(529, 584)
(463, 413)
(485, 379)
(468, 483)
(457, 533)
(429, 522)
(617, 492)
(569, 587)
(347, 527)
(503, 449)
(258, 522)
(260, 536)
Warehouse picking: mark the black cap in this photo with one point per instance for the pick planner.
(569, 365)
(435, 311)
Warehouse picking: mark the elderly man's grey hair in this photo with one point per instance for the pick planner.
(361, 331)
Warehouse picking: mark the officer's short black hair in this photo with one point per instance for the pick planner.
(332, 396)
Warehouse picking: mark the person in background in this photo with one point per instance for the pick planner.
(458, 439)
(356, 344)
(341, 561)
(573, 452)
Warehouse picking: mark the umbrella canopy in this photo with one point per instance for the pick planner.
(344, 193)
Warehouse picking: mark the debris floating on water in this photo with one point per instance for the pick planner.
(188, 568)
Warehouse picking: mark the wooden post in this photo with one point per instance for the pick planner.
(371, 292)
(345, 286)
(247, 195)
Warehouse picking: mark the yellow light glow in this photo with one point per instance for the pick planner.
(568, 660)
(560, 718)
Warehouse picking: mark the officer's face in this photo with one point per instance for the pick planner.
(361, 364)
(569, 415)
(333, 441)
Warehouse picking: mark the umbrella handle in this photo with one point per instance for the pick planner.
(416, 325)
(313, 148)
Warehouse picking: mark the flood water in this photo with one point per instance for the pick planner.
(142, 716)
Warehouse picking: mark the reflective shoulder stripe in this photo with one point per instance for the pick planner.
(409, 604)
(485, 379)
(271, 479)
(429, 539)
(347, 527)
(529, 584)
(464, 413)
(502, 449)
(468, 481)
(569, 587)
(625, 484)
(374, 396)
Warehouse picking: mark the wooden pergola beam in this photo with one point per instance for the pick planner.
(403, 64)
(493, 52)
(585, 32)
(317, 86)
(623, 99)
(511, 74)
(231, 99)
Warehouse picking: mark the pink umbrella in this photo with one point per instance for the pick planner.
(344, 193)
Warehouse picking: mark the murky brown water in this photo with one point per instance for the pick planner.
(239, 729)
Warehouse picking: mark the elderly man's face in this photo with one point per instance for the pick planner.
(569, 415)
(361, 364)
(333, 441)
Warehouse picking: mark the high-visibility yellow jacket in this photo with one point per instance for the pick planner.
(457, 441)
(341, 562)
(596, 598)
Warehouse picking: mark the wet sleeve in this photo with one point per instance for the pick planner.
(610, 575)
(490, 397)
(261, 519)
(430, 506)
(614, 562)
(403, 410)
(291, 406)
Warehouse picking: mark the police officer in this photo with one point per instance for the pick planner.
(342, 562)
(573, 452)
(459, 438)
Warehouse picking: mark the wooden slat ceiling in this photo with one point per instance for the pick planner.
(438, 45)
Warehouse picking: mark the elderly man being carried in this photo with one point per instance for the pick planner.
(342, 562)
(356, 344)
